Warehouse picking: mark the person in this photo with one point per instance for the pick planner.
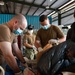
(28, 42)
(71, 32)
(48, 34)
(8, 43)
(71, 53)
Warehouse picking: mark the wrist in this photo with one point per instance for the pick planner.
(57, 41)
(32, 46)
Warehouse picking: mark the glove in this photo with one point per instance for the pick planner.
(27, 71)
(53, 41)
(40, 49)
(19, 73)
(34, 48)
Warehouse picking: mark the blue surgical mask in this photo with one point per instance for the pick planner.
(18, 31)
(46, 27)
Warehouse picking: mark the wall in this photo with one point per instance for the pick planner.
(34, 20)
(5, 18)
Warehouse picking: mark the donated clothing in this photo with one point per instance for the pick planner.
(53, 32)
(6, 35)
(60, 58)
(30, 39)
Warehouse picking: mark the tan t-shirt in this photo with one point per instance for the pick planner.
(30, 39)
(6, 35)
(51, 33)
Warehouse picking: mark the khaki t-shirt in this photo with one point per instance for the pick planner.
(30, 39)
(51, 33)
(6, 35)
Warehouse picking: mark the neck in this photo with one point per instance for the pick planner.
(9, 25)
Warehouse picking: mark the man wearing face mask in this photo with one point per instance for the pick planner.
(48, 34)
(28, 42)
(8, 43)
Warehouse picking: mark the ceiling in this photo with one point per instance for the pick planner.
(32, 7)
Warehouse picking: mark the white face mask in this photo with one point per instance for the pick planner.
(30, 31)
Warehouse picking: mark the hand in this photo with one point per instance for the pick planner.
(19, 73)
(40, 49)
(35, 49)
(27, 71)
(22, 66)
(53, 41)
(25, 64)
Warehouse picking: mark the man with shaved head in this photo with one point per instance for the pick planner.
(8, 42)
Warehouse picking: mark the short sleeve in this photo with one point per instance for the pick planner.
(38, 35)
(59, 32)
(4, 34)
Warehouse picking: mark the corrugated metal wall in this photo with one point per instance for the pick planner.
(5, 18)
(34, 20)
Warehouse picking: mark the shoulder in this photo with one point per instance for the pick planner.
(55, 27)
(4, 28)
(40, 30)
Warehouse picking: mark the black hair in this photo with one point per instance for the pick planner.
(30, 27)
(71, 33)
(42, 18)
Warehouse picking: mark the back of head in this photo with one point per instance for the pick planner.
(20, 18)
(42, 18)
(30, 27)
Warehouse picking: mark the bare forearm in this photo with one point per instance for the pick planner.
(20, 56)
(37, 44)
(11, 61)
(27, 45)
(62, 39)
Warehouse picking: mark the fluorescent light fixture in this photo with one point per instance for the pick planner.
(54, 15)
(66, 4)
(68, 8)
(51, 13)
(47, 7)
(50, 0)
(1, 3)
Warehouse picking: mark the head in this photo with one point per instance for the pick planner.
(30, 29)
(18, 22)
(44, 21)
